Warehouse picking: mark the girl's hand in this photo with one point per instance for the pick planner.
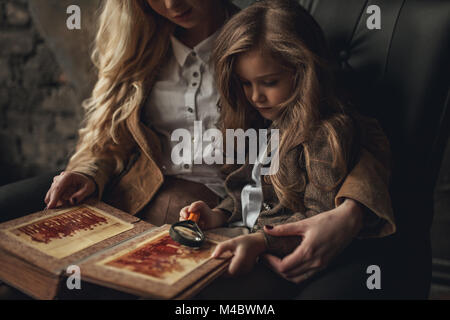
(69, 188)
(209, 218)
(246, 249)
(324, 236)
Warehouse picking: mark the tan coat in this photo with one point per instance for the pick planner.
(133, 189)
(141, 178)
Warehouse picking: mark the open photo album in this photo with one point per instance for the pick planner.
(110, 247)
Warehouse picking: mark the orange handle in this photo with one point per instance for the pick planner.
(193, 216)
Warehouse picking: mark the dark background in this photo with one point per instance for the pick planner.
(45, 73)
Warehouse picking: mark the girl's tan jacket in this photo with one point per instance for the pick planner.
(135, 186)
(324, 187)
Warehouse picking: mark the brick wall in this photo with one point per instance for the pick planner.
(39, 110)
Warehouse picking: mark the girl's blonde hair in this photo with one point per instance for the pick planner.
(283, 29)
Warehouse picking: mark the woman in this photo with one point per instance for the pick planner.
(152, 56)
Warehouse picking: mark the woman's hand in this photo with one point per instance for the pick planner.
(324, 236)
(209, 218)
(246, 249)
(69, 187)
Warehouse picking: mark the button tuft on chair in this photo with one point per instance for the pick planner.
(344, 55)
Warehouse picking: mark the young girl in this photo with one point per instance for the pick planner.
(271, 68)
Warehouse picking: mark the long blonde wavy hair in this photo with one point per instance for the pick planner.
(131, 43)
(283, 29)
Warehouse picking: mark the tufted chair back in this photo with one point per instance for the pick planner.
(400, 75)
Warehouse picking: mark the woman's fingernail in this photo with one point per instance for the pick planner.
(268, 226)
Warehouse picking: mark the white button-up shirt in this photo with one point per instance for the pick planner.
(185, 92)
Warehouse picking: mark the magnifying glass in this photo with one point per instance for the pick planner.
(187, 232)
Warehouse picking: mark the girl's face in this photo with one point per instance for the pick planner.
(184, 13)
(265, 82)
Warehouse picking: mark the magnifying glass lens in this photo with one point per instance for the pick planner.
(187, 233)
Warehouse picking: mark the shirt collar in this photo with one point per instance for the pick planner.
(203, 49)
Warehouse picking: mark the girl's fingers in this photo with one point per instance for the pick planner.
(236, 263)
(228, 245)
(184, 213)
(197, 206)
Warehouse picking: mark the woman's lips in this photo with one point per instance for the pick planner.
(263, 108)
(183, 15)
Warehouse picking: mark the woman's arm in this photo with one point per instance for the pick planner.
(327, 234)
(368, 182)
(87, 174)
(99, 170)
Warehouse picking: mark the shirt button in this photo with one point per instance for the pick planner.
(190, 110)
(195, 74)
(186, 166)
(194, 84)
(193, 53)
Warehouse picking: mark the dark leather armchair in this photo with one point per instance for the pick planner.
(400, 75)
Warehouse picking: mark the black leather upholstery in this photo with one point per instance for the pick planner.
(400, 75)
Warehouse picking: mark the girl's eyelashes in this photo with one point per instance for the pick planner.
(270, 83)
(264, 83)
